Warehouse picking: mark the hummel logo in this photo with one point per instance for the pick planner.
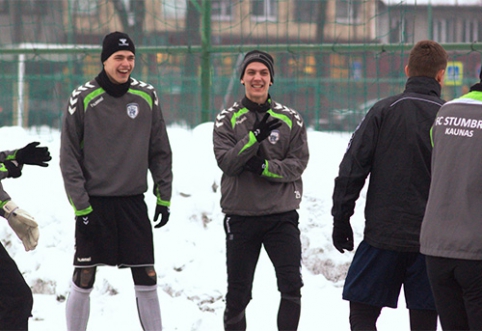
(84, 259)
(85, 220)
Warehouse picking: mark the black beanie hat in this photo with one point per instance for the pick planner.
(116, 41)
(258, 56)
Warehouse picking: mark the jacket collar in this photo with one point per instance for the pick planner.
(253, 106)
(476, 87)
(424, 85)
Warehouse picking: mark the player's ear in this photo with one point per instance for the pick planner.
(440, 76)
(406, 71)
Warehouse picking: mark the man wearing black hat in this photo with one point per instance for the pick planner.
(451, 235)
(261, 147)
(113, 133)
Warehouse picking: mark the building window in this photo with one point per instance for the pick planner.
(174, 8)
(398, 32)
(470, 32)
(84, 7)
(306, 11)
(438, 28)
(263, 10)
(450, 31)
(347, 11)
(444, 30)
(222, 10)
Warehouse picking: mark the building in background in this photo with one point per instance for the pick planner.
(445, 21)
(198, 45)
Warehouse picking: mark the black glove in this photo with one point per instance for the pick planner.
(165, 212)
(14, 170)
(255, 164)
(86, 225)
(31, 154)
(263, 129)
(342, 236)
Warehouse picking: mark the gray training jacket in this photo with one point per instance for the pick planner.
(452, 225)
(108, 144)
(279, 188)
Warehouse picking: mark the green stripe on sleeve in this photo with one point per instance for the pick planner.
(81, 212)
(159, 201)
(267, 173)
(251, 142)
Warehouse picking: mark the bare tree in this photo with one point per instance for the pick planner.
(193, 37)
(132, 18)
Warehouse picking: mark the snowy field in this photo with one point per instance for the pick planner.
(190, 252)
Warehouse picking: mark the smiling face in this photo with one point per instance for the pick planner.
(256, 80)
(119, 66)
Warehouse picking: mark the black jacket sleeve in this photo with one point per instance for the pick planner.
(355, 166)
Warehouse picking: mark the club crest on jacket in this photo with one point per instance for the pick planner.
(132, 110)
(274, 137)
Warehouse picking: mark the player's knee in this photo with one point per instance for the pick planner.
(292, 296)
(237, 301)
(84, 277)
(144, 276)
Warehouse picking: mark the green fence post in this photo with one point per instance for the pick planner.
(206, 61)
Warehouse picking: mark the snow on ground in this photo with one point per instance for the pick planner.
(190, 258)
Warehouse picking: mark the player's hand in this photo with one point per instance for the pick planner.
(342, 236)
(164, 212)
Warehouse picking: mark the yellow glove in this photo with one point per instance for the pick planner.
(23, 224)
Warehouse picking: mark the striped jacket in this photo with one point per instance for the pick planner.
(108, 145)
(279, 188)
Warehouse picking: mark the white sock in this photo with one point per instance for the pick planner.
(148, 307)
(77, 308)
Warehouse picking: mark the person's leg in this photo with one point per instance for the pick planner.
(77, 307)
(15, 295)
(423, 320)
(145, 280)
(373, 281)
(242, 253)
(136, 250)
(363, 317)
(283, 245)
(469, 275)
(418, 294)
(447, 292)
(289, 311)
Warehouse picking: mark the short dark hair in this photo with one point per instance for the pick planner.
(427, 58)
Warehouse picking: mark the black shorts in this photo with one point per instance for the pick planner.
(123, 236)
